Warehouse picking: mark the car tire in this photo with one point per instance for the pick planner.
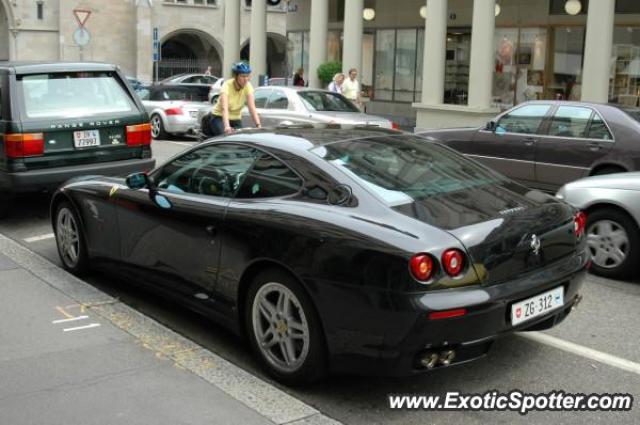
(608, 170)
(157, 127)
(70, 239)
(610, 232)
(274, 302)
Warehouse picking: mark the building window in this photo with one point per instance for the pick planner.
(384, 68)
(566, 78)
(212, 3)
(297, 52)
(40, 10)
(456, 82)
(624, 86)
(405, 67)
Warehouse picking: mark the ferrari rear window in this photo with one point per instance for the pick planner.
(403, 169)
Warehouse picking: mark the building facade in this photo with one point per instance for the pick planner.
(191, 33)
(483, 56)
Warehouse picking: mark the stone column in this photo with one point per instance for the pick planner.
(435, 43)
(597, 51)
(481, 64)
(352, 43)
(144, 42)
(317, 39)
(258, 40)
(231, 36)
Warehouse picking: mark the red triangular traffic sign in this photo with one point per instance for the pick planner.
(81, 16)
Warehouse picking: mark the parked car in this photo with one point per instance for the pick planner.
(215, 83)
(60, 120)
(612, 203)
(298, 105)
(174, 108)
(545, 144)
(345, 249)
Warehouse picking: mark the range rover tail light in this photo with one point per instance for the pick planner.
(453, 262)
(422, 267)
(21, 145)
(580, 223)
(139, 135)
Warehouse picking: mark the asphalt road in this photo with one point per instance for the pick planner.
(606, 322)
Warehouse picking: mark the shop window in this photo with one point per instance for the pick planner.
(419, 60)
(624, 87)
(456, 80)
(405, 66)
(384, 68)
(566, 80)
(598, 129)
(505, 41)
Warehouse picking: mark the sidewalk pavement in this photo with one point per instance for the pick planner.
(70, 354)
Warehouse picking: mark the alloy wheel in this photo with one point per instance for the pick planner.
(280, 327)
(68, 237)
(608, 243)
(156, 126)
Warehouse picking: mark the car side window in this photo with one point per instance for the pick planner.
(214, 170)
(261, 97)
(570, 121)
(598, 129)
(269, 177)
(143, 94)
(278, 100)
(525, 120)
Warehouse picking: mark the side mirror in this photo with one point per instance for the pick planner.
(491, 126)
(137, 181)
(340, 195)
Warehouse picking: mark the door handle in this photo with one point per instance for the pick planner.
(211, 230)
(595, 147)
(529, 141)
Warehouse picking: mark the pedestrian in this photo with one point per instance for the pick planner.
(336, 85)
(351, 87)
(235, 93)
(298, 79)
(208, 71)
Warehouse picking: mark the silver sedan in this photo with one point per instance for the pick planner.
(612, 204)
(298, 105)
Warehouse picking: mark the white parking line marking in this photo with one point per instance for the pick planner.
(579, 350)
(71, 319)
(93, 325)
(40, 238)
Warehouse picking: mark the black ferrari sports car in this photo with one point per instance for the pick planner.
(350, 249)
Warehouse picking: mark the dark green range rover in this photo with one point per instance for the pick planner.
(60, 120)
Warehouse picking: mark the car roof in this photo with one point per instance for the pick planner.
(304, 137)
(36, 67)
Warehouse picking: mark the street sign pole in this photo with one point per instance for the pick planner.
(156, 51)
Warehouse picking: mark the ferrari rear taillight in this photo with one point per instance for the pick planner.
(174, 111)
(453, 262)
(21, 145)
(580, 223)
(422, 267)
(139, 135)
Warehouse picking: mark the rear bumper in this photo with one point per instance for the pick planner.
(180, 124)
(398, 332)
(50, 178)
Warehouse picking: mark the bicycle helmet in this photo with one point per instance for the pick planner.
(241, 68)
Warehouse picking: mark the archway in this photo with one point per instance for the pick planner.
(5, 24)
(189, 50)
(276, 54)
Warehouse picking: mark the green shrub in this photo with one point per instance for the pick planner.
(326, 71)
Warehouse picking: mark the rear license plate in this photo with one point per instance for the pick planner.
(537, 306)
(86, 138)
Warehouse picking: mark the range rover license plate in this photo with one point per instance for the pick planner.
(86, 138)
(536, 306)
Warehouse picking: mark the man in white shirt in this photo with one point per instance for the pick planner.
(351, 88)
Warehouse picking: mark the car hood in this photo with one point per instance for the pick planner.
(623, 181)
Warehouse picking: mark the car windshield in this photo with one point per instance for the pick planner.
(73, 94)
(326, 102)
(404, 169)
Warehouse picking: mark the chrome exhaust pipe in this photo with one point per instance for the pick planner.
(429, 360)
(446, 357)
